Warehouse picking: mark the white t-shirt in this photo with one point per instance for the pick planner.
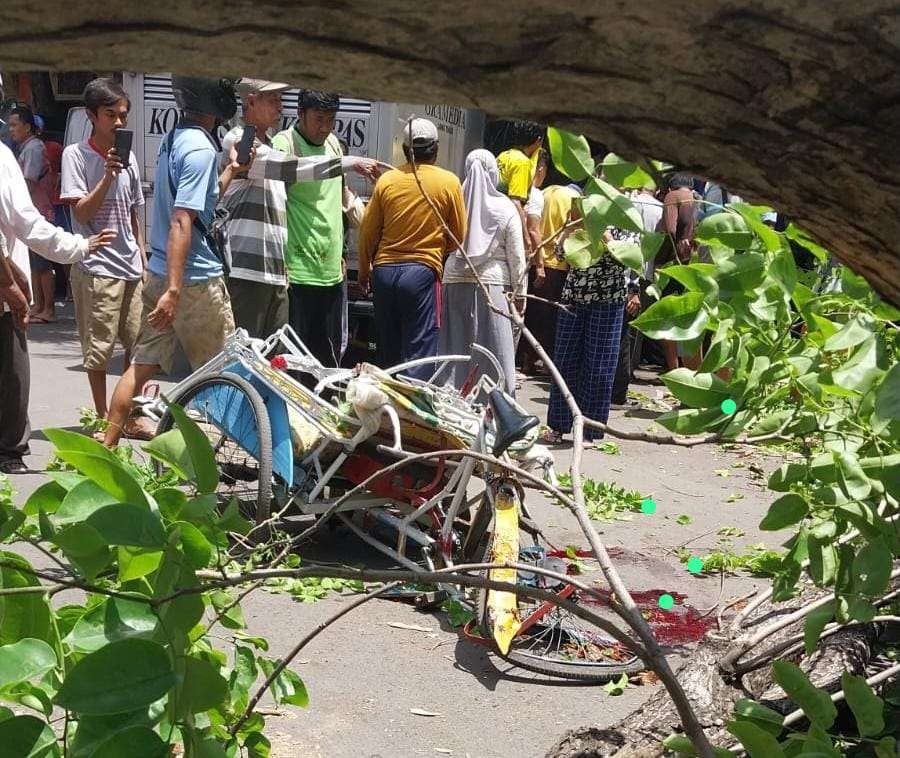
(82, 169)
(535, 204)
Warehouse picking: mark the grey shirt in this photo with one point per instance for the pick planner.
(82, 169)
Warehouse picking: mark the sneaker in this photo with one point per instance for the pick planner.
(13, 466)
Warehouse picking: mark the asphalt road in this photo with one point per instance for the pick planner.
(365, 676)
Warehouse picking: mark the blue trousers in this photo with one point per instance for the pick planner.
(407, 314)
(586, 353)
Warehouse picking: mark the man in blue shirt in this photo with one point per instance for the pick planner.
(184, 296)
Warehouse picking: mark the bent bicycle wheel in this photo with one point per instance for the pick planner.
(552, 640)
(233, 416)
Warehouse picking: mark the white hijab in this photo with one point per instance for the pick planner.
(487, 208)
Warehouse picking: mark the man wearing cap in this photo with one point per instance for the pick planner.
(257, 226)
(184, 295)
(315, 230)
(403, 245)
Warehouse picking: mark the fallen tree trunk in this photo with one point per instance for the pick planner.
(713, 693)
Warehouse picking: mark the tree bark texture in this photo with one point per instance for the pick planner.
(788, 103)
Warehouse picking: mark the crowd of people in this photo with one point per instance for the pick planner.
(262, 242)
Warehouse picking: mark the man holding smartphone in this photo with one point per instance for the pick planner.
(103, 189)
(257, 227)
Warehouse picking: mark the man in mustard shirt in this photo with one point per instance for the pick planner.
(402, 247)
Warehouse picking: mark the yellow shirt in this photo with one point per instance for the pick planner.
(400, 226)
(557, 205)
(516, 174)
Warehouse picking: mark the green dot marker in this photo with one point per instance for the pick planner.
(728, 406)
(695, 564)
(648, 506)
(666, 602)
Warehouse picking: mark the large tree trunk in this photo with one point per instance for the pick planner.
(793, 104)
(713, 694)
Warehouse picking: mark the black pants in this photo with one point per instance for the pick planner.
(15, 383)
(624, 368)
(315, 314)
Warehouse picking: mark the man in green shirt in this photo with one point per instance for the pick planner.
(315, 232)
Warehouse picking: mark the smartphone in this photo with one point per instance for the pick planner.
(243, 147)
(124, 138)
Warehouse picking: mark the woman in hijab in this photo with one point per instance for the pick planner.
(496, 248)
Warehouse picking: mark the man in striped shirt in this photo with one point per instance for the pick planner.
(257, 227)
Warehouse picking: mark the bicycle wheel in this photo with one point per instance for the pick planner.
(233, 416)
(552, 640)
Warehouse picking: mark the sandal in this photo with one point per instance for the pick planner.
(139, 428)
(551, 437)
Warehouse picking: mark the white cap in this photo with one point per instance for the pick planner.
(769, 216)
(424, 132)
(253, 86)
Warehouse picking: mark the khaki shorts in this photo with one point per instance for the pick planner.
(202, 322)
(105, 308)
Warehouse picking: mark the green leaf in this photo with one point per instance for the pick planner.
(886, 747)
(783, 270)
(816, 703)
(81, 501)
(122, 676)
(784, 512)
(199, 449)
(45, 498)
(814, 624)
(683, 519)
(624, 174)
(822, 562)
(782, 478)
(287, 687)
(124, 524)
(232, 521)
(756, 741)
(742, 273)
(233, 618)
(726, 229)
(861, 370)
(872, 567)
(851, 334)
(571, 154)
(197, 549)
(245, 671)
(27, 737)
(690, 421)
(65, 479)
(203, 687)
(11, 518)
(867, 707)
(26, 615)
(25, 659)
(613, 207)
(171, 501)
(675, 317)
(758, 714)
(113, 619)
(84, 547)
(134, 742)
(628, 253)
(580, 250)
(799, 236)
(135, 563)
(887, 396)
(752, 214)
(696, 390)
(110, 475)
(170, 448)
